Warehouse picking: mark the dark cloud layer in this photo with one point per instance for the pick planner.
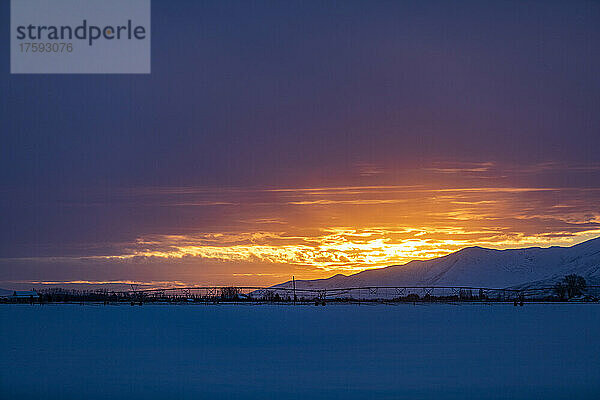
(249, 102)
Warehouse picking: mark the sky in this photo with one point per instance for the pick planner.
(304, 138)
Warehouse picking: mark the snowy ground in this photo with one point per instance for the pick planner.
(305, 352)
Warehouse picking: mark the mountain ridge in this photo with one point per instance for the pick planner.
(478, 266)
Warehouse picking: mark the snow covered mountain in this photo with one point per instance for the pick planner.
(479, 267)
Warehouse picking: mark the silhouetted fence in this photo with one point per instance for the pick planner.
(257, 294)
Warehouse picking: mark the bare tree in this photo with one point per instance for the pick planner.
(575, 285)
(571, 286)
(230, 293)
(560, 290)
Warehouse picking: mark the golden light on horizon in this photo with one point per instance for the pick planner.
(336, 250)
(348, 229)
(321, 231)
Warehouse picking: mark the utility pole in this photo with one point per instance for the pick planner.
(294, 284)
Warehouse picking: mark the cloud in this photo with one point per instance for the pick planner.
(330, 229)
(369, 169)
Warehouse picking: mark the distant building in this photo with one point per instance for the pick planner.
(24, 295)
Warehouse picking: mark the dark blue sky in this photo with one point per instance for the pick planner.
(297, 94)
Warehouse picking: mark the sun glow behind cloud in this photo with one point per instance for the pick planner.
(347, 229)
(336, 250)
(263, 235)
